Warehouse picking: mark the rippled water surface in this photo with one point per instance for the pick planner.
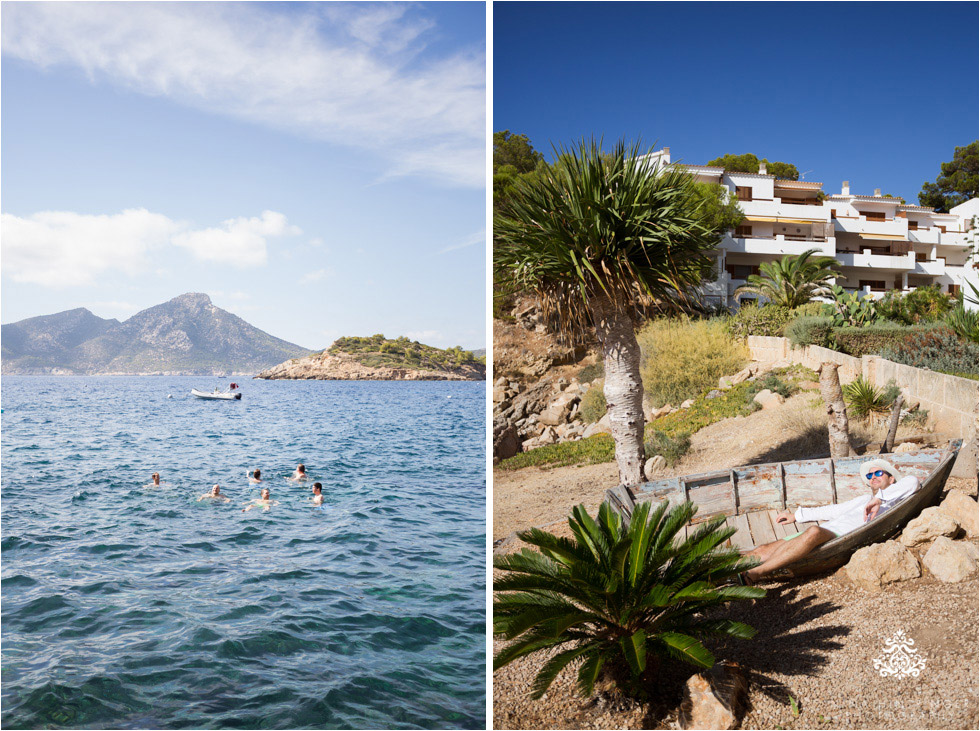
(126, 606)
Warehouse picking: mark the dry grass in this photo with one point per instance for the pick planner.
(682, 358)
(804, 424)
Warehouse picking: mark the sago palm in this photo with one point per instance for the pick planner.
(618, 595)
(596, 237)
(793, 280)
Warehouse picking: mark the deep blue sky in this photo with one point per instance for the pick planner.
(875, 93)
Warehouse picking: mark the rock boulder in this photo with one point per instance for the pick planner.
(874, 566)
(951, 561)
(963, 509)
(931, 523)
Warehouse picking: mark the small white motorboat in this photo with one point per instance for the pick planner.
(230, 395)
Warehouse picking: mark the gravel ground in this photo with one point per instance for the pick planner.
(817, 639)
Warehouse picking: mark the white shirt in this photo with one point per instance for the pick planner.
(845, 517)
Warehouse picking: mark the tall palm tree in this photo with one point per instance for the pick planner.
(793, 280)
(597, 237)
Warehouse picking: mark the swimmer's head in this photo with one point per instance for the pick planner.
(256, 473)
(215, 489)
(265, 493)
(317, 488)
(156, 476)
(301, 469)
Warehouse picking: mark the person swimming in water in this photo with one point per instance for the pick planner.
(215, 494)
(299, 475)
(156, 481)
(265, 502)
(317, 494)
(255, 476)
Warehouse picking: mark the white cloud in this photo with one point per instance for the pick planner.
(314, 276)
(239, 241)
(480, 237)
(63, 248)
(353, 74)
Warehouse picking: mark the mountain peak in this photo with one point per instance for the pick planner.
(192, 298)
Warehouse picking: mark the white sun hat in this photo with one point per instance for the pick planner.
(879, 464)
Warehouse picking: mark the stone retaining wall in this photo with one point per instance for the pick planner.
(952, 402)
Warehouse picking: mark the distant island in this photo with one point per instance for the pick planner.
(187, 335)
(378, 358)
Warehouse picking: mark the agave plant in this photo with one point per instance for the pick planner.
(793, 280)
(618, 595)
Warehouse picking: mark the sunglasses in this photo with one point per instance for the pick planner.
(876, 473)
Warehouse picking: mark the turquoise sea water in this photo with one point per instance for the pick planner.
(132, 607)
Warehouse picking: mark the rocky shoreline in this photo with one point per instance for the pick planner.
(343, 367)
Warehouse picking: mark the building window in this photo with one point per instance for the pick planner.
(875, 215)
(954, 289)
(743, 232)
(741, 271)
(876, 286)
(743, 193)
(913, 225)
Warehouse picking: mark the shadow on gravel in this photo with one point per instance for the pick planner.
(812, 444)
(784, 646)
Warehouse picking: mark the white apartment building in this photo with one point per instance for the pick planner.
(881, 243)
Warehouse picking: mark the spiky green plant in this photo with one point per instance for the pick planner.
(793, 280)
(863, 399)
(618, 595)
(965, 323)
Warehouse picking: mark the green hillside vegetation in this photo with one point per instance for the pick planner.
(378, 351)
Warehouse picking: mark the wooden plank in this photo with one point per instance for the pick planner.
(761, 527)
(734, 480)
(713, 499)
(728, 541)
(782, 483)
(758, 486)
(781, 529)
(804, 526)
(833, 484)
(743, 536)
(808, 482)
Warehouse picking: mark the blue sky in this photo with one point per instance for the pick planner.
(878, 94)
(317, 168)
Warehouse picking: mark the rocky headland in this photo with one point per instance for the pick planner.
(345, 367)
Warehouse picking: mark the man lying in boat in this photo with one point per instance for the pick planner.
(889, 488)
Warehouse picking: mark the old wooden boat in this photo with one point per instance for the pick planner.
(750, 498)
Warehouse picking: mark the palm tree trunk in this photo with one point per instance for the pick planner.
(833, 398)
(624, 388)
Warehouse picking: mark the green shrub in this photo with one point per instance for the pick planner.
(682, 358)
(595, 449)
(773, 383)
(810, 330)
(871, 340)
(921, 305)
(620, 597)
(937, 349)
(591, 372)
(671, 448)
(916, 418)
(593, 405)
